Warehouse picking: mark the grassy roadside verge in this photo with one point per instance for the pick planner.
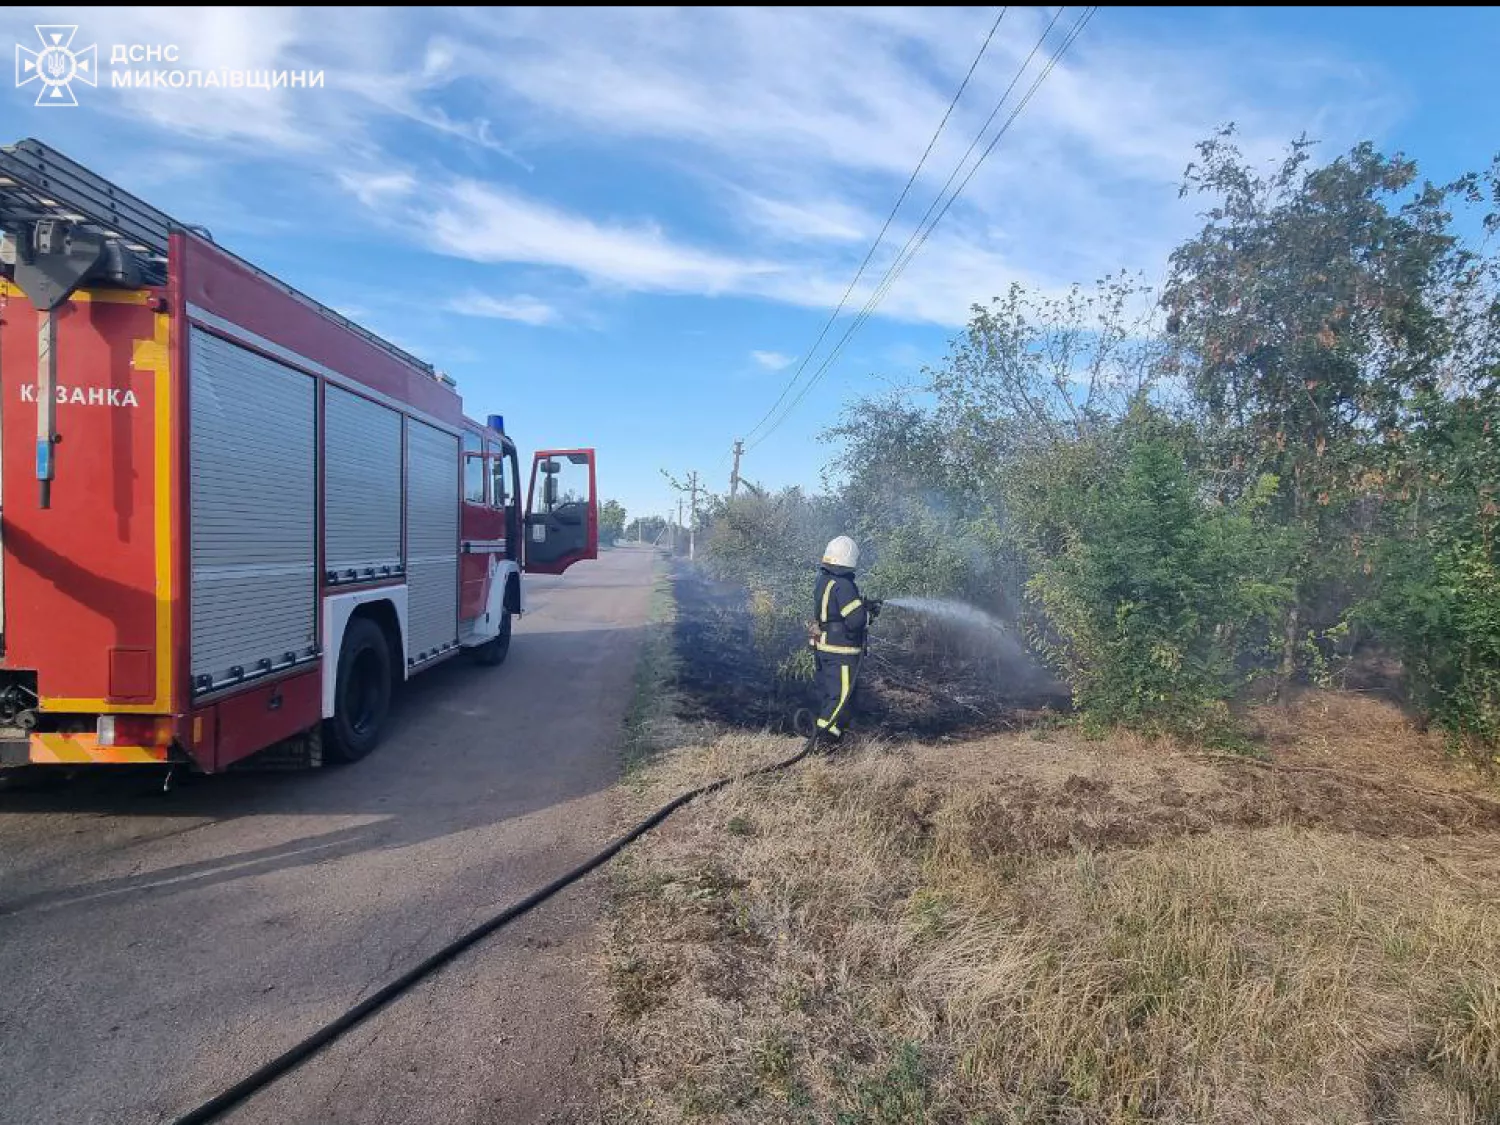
(1038, 928)
(650, 718)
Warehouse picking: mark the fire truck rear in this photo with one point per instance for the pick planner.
(230, 518)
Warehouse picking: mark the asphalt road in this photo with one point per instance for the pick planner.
(156, 948)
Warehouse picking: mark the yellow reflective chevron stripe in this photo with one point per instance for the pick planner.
(79, 749)
(827, 593)
(837, 650)
(851, 607)
(844, 690)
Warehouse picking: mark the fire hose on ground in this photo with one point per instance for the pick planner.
(300, 1052)
(304, 1049)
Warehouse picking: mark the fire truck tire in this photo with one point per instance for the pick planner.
(362, 695)
(493, 652)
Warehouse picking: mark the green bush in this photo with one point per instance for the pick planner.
(770, 545)
(1153, 592)
(1440, 609)
(1436, 596)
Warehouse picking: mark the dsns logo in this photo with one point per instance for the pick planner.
(57, 65)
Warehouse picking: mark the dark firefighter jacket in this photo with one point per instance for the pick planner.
(841, 612)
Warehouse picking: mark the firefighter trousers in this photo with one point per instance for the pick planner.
(837, 675)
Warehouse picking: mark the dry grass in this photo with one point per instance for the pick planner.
(651, 723)
(1035, 928)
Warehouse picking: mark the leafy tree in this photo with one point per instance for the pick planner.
(611, 521)
(1305, 315)
(946, 490)
(1034, 369)
(922, 525)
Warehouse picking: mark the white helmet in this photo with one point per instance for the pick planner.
(842, 551)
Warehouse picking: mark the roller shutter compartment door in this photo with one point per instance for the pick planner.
(361, 488)
(431, 540)
(252, 527)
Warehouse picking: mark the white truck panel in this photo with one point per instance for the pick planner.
(337, 610)
(486, 626)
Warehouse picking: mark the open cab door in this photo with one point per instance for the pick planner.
(562, 518)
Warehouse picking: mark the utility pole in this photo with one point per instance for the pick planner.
(693, 515)
(692, 488)
(677, 530)
(734, 474)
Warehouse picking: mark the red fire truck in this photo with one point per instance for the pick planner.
(231, 518)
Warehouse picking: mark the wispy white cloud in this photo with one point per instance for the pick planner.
(813, 119)
(816, 220)
(782, 137)
(522, 308)
(487, 223)
(773, 361)
(375, 189)
(407, 92)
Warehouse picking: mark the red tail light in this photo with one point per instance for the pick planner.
(134, 730)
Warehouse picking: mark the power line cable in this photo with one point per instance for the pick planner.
(888, 220)
(956, 168)
(904, 259)
(919, 236)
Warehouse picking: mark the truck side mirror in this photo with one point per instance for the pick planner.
(549, 492)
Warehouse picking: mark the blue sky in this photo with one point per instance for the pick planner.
(620, 228)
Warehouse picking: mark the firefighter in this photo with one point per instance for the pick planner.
(843, 615)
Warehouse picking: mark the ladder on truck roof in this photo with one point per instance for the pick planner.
(39, 184)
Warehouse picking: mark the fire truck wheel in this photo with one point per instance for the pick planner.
(493, 652)
(362, 696)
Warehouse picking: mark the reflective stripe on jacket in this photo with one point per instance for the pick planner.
(841, 613)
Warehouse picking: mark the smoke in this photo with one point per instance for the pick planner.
(983, 632)
(945, 609)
